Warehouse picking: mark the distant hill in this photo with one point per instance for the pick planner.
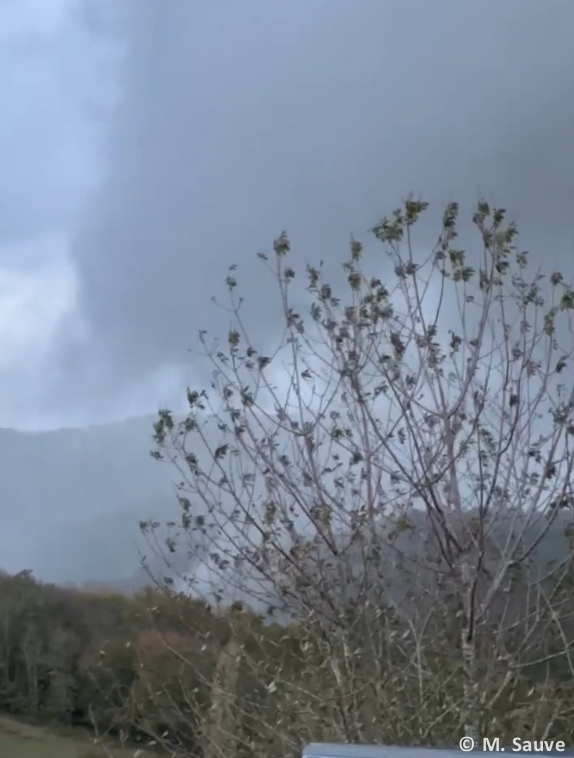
(72, 499)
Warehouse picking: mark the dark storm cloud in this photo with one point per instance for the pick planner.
(243, 119)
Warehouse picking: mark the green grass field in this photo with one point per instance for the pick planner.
(19, 740)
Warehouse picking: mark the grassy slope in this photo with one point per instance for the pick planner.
(19, 740)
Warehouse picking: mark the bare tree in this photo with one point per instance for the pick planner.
(390, 485)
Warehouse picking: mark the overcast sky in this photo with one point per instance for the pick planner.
(142, 154)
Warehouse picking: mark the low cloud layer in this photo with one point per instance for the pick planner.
(239, 121)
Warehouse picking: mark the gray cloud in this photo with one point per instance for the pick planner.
(54, 80)
(50, 71)
(240, 120)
